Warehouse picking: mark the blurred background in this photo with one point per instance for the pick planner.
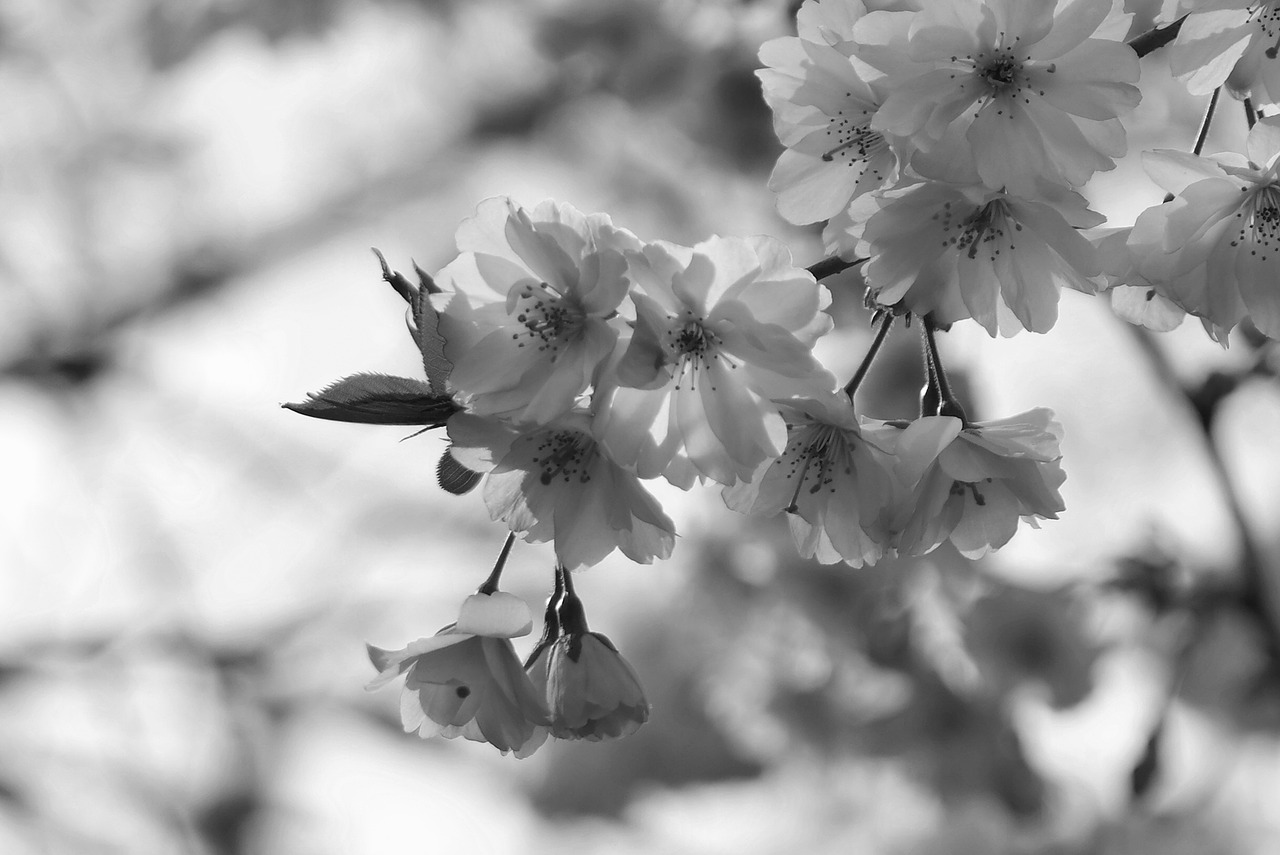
(188, 572)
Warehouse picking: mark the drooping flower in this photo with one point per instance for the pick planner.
(527, 309)
(467, 681)
(1020, 92)
(1215, 249)
(554, 482)
(822, 111)
(834, 479)
(593, 693)
(721, 330)
(957, 251)
(974, 482)
(1232, 42)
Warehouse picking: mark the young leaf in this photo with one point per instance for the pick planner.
(396, 280)
(378, 399)
(454, 477)
(426, 332)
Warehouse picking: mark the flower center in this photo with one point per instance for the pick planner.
(548, 317)
(853, 141)
(564, 454)
(959, 488)
(1266, 17)
(821, 444)
(985, 226)
(1000, 72)
(692, 347)
(1260, 230)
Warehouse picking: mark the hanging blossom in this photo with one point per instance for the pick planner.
(592, 692)
(957, 251)
(721, 330)
(1229, 41)
(1018, 91)
(466, 680)
(834, 479)
(527, 309)
(973, 482)
(554, 482)
(822, 111)
(1215, 249)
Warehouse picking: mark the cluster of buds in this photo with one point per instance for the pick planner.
(466, 680)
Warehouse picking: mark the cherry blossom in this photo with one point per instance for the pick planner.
(822, 114)
(1013, 89)
(527, 306)
(555, 483)
(964, 251)
(973, 482)
(1232, 42)
(834, 479)
(467, 681)
(721, 330)
(1214, 250)
(593, 693)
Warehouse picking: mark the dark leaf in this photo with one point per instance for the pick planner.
(378, 399)
(454, 477)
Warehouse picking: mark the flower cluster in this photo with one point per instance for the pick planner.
(946, 145)
(467, 681)
(857, 489)
(585, 361)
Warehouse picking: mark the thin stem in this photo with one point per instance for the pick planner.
(491, 584)
(858, 375)
(1250, 114)
(948, 405)
(831, 266)
(1155, 38)
(573, 617)
(1208, 118)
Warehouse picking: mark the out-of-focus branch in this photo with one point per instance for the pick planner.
(1254, 596)
(74, 351)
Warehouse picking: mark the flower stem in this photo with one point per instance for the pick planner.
(1208, 118)
(831, 266)
(491, 584)
(573, 617)
(1250, 114)
(1155, 38)
(947, 403)
(881, 335)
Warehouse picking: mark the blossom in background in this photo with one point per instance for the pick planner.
(957, 251)
(554, 482)
(1215, 249)
(467, 681)
(1232, 42)
(721, 330)
(526, 312)
(834, 480)
(822, 113)
(592, 692)
(974, 482)
(1005, 87)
